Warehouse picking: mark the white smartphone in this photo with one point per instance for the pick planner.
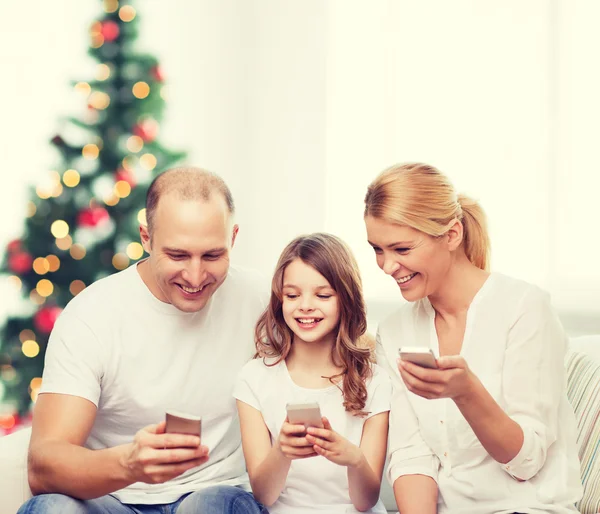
(418, 355)
(307, 414)
(182, 423)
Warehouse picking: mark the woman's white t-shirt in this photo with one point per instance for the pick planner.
(314, 484)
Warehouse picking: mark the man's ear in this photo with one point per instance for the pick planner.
(455, 235)
(234, 233)
(145, 238)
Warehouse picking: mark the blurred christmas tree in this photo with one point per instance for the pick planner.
(83, 220)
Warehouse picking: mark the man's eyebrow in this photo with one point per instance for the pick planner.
(179, 250)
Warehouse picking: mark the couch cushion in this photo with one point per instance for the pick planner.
(583, 390)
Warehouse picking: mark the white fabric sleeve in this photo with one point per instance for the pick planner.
(247, 382)
(534, 380)
(74, 361)
(380, 393)
(407, 451)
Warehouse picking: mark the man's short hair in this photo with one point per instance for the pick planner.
(189, 184)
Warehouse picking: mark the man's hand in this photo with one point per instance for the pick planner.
(333, 446)
(292, 442)
(155, 457)
(453, 378)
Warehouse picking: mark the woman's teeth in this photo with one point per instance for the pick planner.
(402, 280)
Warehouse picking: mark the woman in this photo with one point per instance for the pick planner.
(490, 430)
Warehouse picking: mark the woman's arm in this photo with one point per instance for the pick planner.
(416, 494)
(268, 465)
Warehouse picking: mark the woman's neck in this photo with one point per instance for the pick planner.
(461, 284)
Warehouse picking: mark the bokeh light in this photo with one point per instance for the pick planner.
(44, 288)
(135, 144)
(120, 261)
(99, 100)
(36, 298)
(30, 348)
(31, 209)
(141, 90)
(77, 251)
(59, 229)
(141, 217)
(83, 87)
(122, 189)
(134, 251)
(90, 151)
(64, 243)
(148, 161)
(54, 262)
(111, 5)
(26, 334)
(71, 178)
(111, 200)
(15, 282)
(41, 266)
(102, 71)
(76, 287)
(127, 13)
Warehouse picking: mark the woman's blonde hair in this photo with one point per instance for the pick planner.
(331, 258)
(419, 196)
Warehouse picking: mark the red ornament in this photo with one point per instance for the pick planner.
(147, 129)
(20, 262)
(92, 216)
(157, 74)
(45, 318)
(127, 176)
(14, 245)
(110, 31)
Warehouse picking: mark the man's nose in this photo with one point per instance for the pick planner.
(194, 273)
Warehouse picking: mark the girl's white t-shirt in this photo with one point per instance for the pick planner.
(314, 484)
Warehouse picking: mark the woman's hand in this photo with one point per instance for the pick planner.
(333, 446)
(453, 378)
(292, 442)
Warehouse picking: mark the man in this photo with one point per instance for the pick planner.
(170, 332)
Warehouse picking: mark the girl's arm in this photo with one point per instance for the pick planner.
(267, 464)
(364, 480)
(364, 463)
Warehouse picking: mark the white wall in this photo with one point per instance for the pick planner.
(299, 104)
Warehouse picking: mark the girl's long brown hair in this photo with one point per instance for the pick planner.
(329, 256)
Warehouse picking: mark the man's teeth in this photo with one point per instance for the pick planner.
(308, 321)
(405, 279)
(192, 290)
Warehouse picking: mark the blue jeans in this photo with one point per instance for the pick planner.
(222, 499)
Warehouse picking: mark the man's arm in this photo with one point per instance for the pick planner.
(58, 463)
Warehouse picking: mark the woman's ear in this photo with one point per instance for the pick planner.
(455, 234)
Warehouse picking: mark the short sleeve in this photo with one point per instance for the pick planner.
(247, 383)
(75, 360)
(379, 391)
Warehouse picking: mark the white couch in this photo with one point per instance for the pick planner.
(14, 488)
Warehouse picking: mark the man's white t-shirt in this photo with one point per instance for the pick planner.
(135, 357)
(314, 484)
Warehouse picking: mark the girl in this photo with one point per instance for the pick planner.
(500, 435)
(307, 351)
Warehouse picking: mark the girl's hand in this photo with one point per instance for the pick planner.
(333, 446)
(453, 378)
(292, 442)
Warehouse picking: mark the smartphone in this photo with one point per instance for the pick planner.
(182, 423)
(418, 355)
(307, 414)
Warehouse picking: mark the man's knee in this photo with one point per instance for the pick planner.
(221, 499)
(52, 504)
